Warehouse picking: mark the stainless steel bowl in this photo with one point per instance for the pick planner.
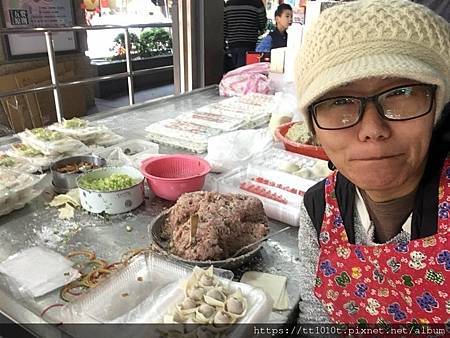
(65, 181)
(162, 245)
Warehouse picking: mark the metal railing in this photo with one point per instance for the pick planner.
(56, 85)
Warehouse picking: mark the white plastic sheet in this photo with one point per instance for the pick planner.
(37, 271)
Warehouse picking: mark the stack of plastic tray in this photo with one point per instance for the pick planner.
(214, 120)
(253, 117)
(257, 99)
(280, 193)
(181, 134)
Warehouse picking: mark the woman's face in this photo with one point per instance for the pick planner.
(385, 158)
(284, 20)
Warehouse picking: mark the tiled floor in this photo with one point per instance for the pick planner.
(139, 96)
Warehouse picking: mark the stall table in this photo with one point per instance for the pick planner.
(38, 224)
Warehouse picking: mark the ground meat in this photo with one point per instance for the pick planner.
(227, 222)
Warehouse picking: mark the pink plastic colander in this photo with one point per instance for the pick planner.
(170, 176)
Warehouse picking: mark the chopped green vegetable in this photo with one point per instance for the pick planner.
(299, 132)
(47, 135)
(111, 183)
(75, 123)
(25, 150)
(6, 161)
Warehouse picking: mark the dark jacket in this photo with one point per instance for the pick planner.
(244, 21)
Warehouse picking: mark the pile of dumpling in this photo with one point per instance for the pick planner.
(208, 301)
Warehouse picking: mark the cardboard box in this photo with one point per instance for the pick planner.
(38, 109)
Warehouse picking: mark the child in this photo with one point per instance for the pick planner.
(278, 37)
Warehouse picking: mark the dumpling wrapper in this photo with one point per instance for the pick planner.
(273, 285)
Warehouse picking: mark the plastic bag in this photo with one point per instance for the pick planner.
(247, 79)
(284, 109)
(37, 271)
(228, 151)
(51, 142)
(115, 157)
(108, 138)
(22, 151)
(18, 189)
(85, 132)
(17, 163)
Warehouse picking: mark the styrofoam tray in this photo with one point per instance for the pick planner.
(129, 295)
(287, 212)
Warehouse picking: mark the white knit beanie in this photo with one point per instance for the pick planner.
(373, 38)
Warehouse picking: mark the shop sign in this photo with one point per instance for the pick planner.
(33, 14)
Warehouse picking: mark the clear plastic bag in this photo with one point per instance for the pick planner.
(85, 131)
(35, 157)
(52, 142)
(18, 189)
(115, 157)
(17, 163)
(107, 139)
(231, 150)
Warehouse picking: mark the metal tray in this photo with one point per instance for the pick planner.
(160, 244)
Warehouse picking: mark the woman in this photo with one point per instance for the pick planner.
(278, 37)
(373, 77)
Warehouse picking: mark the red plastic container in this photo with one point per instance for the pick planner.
(170, 176)
(299, 148)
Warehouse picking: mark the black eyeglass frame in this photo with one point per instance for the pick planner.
(374, 98)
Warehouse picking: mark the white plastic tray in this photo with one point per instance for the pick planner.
(107, 303)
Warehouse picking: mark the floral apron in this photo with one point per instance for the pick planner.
(403, 282)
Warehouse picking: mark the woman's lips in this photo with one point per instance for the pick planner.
(375, 158)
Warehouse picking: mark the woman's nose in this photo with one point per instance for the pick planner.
(372, 126)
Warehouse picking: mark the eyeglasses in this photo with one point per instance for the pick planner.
(401, 103)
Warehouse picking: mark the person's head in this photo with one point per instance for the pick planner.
(283, 17)
(397, 53)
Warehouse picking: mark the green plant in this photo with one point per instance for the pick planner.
(151, 42)
(119, 45)
(156, 41)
